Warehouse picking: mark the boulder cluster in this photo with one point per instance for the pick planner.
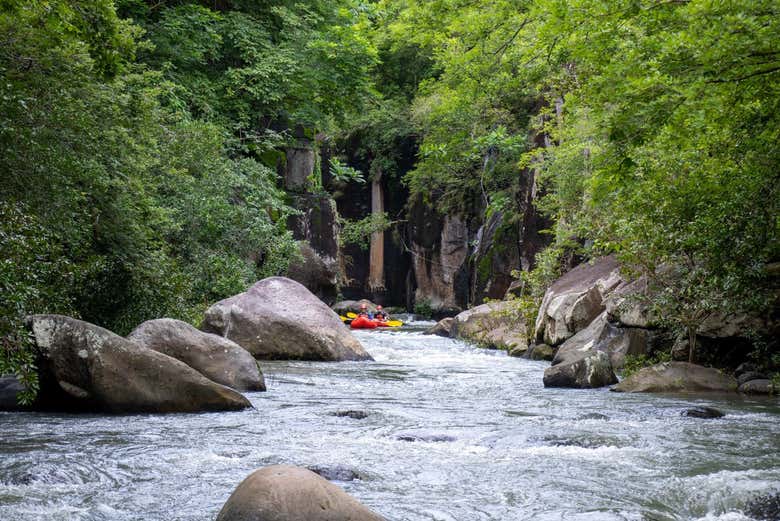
(590, 320)
(167, 365)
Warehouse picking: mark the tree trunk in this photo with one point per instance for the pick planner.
(691, 344)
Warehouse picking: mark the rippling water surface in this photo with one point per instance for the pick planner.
(491, 443)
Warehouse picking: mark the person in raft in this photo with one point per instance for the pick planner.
(380, 314)
(364, 311)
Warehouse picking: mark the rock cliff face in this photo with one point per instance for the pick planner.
(440, 253)
(318, 230)
(496, 255)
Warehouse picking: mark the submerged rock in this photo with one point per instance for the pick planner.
(286, 493)
(86, 367)
(336, 472)
(216, 357)
(765, 507)
(677, 377)
(355, 415)
(590, 370)
(442, 328)
(431, 438)
(703, 412)
(277, 318)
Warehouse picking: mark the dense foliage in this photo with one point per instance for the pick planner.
(137, 137)
(651, 126)
(132, 137)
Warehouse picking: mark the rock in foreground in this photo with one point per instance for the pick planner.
(86, 367)
(215, 357)
(286, 493)
(279, 319)
(590, 370)
(676, 377)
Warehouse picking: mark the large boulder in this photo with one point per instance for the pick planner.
(278, 318)
(601, 335)
(215, 357)
(760, 386)
(575, 299)
(287, 493)
(442, 328)
(86, 367)
(588, 370)
(496, 325)
(628, 305)
(676, 377)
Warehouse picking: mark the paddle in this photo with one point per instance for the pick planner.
(394, 323)
(343, 318)
(350, 314)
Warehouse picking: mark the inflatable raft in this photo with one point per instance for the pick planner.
(363, 323)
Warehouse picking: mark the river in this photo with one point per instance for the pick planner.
(488, 443)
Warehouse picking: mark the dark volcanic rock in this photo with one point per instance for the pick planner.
(765, 507)
(355, 415)
(702, 412)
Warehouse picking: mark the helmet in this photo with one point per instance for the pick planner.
(379, 307)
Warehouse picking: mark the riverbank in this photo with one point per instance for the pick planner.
(511, 449)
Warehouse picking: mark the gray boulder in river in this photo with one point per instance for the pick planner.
(442, 328)
(575, 299)
(673, 377)
(601, 335)
(286, 493)
(85, 367)
(587, 370)
(215, 357)
(278, 318)
(497, 325)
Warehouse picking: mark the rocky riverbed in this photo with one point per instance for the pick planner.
(438, 430)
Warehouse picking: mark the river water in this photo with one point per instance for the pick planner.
(487, 442)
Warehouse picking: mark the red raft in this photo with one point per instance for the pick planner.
(366, 323)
